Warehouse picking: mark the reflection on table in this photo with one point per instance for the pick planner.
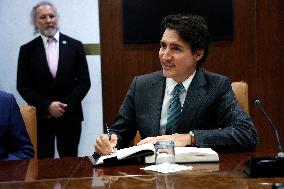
(79, 173)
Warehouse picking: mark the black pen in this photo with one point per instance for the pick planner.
(108, 133)
(109, 137)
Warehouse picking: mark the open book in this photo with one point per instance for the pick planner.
(145, 154)
(190, 154)
(125, 156)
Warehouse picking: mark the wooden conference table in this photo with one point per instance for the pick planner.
(79, 173)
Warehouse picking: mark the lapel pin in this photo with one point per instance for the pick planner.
(64, 42)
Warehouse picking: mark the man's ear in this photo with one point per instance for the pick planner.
(198, 54)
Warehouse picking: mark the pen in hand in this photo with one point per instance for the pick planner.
(109, 137)
(108, 133)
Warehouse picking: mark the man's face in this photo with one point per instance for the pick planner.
(177, 60)
(46, 20)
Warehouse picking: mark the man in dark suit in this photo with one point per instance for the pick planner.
(53, 76)
(183, 102)
(15, 143)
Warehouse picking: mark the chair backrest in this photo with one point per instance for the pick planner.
(240, 89)
(29, 115)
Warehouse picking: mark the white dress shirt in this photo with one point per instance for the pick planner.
(170, 85)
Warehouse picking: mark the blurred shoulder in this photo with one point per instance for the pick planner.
(5, 95)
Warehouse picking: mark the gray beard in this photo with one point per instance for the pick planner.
(50, 32)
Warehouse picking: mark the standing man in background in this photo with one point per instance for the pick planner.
(53, 76)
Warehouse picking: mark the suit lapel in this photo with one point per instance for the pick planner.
(62, 53)
(42, 60)
(156, 96)
(64, 45)
(194, 98)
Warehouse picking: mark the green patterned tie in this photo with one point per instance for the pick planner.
(174, 111)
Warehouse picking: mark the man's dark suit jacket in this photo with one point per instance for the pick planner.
(37, 86)
(210, 110)
(15, 142)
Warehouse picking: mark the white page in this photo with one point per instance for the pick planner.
(122, 153)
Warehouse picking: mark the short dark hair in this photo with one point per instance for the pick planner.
(193, 29)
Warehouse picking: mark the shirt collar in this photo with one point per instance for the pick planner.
(171, 83)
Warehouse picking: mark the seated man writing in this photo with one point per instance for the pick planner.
(184, 102)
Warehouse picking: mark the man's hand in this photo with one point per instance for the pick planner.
(56, 109)
(104, 146)
(178, 139)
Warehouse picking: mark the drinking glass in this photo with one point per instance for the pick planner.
(164, 152)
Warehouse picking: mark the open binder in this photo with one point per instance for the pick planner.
(145, 154)
(131, 155)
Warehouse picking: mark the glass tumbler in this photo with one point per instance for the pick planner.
(164, 152)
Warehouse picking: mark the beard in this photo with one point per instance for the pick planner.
(50, 32)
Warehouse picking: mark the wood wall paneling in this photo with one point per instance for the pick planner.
(269, 68)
